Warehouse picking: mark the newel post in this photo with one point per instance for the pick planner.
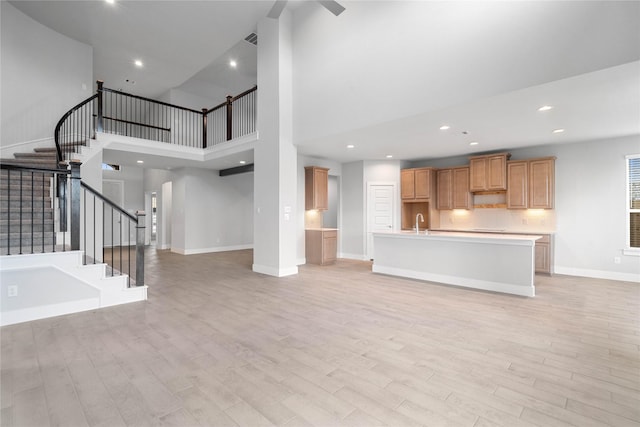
(74, 197)
(99, 122)
(229, 117)
(140, 231)
(204, 127)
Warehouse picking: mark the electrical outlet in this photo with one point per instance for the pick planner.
(12, 291)
(524, 221)
(616, 260)
(451, 221)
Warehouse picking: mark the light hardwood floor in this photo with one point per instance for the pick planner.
(219, 345)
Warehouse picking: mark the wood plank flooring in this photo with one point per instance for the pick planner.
(219, 345)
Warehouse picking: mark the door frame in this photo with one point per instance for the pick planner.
(395, 212)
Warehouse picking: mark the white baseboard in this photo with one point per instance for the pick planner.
(358, 257)
(597, 274)
(212, 250)
(273, 271)
(301, 261)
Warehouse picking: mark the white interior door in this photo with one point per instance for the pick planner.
(380, 211)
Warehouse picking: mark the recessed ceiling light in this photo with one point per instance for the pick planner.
(545, 108)
(140, 161)
(138, 63)
(242, 162)
(474, 143)
(351, 146)
(389, 156)
(110, 1)
(558, 130)
(444, 127)
(233, 64)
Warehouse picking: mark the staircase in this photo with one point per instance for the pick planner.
(48, 275)
(26, 205)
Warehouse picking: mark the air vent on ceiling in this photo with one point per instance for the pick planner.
(252, 38)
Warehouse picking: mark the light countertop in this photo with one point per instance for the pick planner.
(495, 238)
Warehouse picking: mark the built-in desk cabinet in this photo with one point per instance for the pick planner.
(453, 188)
(531, 183)
(488, 172)
(418, 194)
(316, 188)
(321, 246)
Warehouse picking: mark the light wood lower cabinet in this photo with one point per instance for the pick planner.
(321, 246)
(544, 254)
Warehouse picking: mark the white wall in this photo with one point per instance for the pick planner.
(202, 211)
(379, 72)
(218, 212)
(590, 205)
(353, 211)
(355, 176)
(44, 74)
(190, 100)
(179, 212)
(133, 200)
(153, 183)
(275, 156)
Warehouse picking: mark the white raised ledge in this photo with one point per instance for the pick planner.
(494, 262)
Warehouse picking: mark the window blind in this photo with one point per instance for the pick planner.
(634, 201)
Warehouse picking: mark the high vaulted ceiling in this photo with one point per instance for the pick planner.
(175, 39)
(385, 75)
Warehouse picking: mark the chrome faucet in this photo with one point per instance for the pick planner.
(421, 219)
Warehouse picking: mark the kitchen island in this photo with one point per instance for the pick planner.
(494, 262)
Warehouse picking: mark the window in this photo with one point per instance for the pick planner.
(633, 201)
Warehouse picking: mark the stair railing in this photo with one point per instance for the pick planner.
(120, 113)
(28, 213)
(75, 128)
(80, 218)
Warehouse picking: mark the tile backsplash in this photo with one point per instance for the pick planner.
(520, 220)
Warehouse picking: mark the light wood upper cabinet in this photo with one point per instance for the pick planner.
(445, 186)
(415, 184)
(316, 188)
(518, 184)
(531, 184)
(461, 197)
(488, 173)
(453, 188)
(541, 183)
(407, 187)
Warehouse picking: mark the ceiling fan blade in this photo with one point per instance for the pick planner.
(277, 9)
(332, 6)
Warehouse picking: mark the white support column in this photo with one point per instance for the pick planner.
(275, 157)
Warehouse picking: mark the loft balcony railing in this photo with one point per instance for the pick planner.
(116, 112)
